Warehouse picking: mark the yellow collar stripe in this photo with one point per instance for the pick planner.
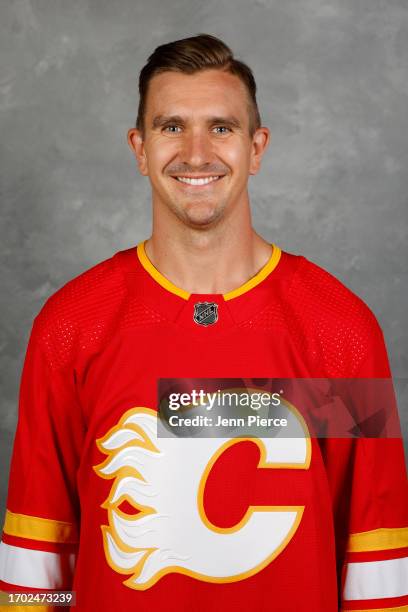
(158, 276)
(259, 277)
(167, 284)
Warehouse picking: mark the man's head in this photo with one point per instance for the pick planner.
(197, 118)
(192, 55)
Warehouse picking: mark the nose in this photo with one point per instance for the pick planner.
(196, 148)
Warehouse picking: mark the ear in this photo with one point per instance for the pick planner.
(136, 144)
(260, 142)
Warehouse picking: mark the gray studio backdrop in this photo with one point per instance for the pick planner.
(333, 88)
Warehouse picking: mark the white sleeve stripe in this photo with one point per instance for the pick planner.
(376, 579)
(35, 568)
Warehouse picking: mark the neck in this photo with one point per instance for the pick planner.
(210, 260)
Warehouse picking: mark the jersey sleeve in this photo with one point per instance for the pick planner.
(368, 479)
(40, 533)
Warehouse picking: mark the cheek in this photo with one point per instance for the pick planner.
(159, 156)
(235, 157)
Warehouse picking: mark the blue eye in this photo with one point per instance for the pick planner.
(171, 126)
(173, 129)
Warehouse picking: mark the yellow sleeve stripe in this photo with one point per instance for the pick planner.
(378, 539)
(44, 530)
(17, 608)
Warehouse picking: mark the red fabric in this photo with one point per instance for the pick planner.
(96, 350)
(393, 603)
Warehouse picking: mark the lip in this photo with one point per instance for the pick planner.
(190, 186)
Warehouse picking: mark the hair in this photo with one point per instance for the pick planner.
(191, 55)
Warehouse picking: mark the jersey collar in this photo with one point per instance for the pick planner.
(162, 296)
(247, 286)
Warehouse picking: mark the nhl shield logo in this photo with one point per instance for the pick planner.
(205, 313)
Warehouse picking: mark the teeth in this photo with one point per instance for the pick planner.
(197, 181)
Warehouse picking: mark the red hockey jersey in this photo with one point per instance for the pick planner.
(98, 504)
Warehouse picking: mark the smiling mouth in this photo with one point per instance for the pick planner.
(198, 182)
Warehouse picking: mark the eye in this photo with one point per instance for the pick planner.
(222, 127)
(171, 126)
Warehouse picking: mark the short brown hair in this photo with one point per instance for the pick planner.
(190, 55)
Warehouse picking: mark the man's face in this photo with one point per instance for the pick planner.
(197, 127)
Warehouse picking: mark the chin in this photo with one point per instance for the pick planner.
(201, 223)
(196, 214)
(203, 218)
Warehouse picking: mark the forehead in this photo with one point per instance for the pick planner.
(205, 92)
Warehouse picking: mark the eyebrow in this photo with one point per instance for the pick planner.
(161, 120)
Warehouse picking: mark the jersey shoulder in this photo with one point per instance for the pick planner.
(325, 294)
(80, 313)
(334, 325)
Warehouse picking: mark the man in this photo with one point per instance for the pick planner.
(100, 503)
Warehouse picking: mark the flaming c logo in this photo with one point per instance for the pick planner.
(164, 479)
